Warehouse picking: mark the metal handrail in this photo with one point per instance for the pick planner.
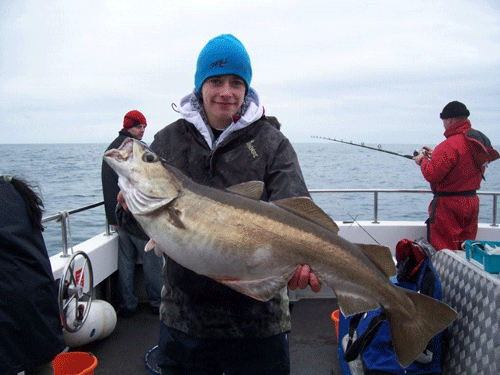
(63, 216)
(376, 193)
(57, 217)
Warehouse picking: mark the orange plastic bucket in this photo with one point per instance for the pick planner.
(335, 318)
(74, 363)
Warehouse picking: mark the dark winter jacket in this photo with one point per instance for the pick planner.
(29, 312)
(249, 150)
(109, 178)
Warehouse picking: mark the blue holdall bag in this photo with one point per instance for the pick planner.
(368, 334)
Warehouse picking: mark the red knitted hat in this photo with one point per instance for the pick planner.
(409, 249)
(133, 118)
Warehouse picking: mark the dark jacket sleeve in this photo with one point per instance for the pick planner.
(109, 179)
(127, 222)
(284, 177)
(110, 191)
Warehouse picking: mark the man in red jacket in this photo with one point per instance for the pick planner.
(454, 170)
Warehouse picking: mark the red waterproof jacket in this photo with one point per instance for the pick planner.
(454, 171)
(452, 166)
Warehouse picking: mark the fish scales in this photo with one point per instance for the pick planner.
(236, 231)
(254, 246)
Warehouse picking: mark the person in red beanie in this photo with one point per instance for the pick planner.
(455, 169)
(135, 123)
(129, 246)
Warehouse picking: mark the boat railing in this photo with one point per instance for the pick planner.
(377, 192)
(63, 216)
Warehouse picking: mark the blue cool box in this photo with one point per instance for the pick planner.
(490, 262)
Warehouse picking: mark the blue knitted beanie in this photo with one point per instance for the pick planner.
(223, 54)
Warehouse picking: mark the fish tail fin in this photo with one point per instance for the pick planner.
(410, 335)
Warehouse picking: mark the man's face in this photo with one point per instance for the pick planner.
(222, 99)
(446, 123)
(138, 131)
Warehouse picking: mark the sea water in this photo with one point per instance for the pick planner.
(68, 176)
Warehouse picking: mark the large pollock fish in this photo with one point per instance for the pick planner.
(254, 247)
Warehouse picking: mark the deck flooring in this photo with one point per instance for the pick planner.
(313, 345)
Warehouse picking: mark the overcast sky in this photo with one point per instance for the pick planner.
(365, 71)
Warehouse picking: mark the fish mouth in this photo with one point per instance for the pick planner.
(138, 202)
(122, 154)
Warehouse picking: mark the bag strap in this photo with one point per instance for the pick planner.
(354, 348)
(422, 270)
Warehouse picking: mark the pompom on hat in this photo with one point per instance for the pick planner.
(454, 109)
(224, 54)
(133, 118)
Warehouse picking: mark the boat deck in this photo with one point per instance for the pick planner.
(313, 345)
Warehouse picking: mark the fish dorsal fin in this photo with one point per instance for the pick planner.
(381, 257)
(251, 189)
(307, 209)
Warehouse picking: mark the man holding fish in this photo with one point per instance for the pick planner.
(225, 139)
(221, 194)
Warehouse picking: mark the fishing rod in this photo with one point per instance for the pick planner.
(415, 153)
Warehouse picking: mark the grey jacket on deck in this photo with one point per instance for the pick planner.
(198, 305)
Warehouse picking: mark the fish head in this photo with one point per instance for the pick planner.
(144, 178)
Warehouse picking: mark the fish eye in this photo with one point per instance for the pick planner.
(149, 157)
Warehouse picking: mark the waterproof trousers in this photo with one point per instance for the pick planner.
(181, 354)
(452, 220)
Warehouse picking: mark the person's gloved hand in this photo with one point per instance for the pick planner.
(304, 277)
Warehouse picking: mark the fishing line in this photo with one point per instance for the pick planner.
(355, 221)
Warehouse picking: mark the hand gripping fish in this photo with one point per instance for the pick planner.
(254, 247)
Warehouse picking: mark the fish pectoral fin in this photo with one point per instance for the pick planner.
(174, 219)
(252, 189)
(381, 257)
(153, 245)
(351, 304)
(150, 245)
(307, 209)
(259, 289)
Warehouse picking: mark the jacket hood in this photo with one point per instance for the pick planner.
(191, 109)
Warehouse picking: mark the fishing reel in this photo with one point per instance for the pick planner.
(422, 151)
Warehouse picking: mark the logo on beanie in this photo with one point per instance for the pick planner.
(218, 64)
